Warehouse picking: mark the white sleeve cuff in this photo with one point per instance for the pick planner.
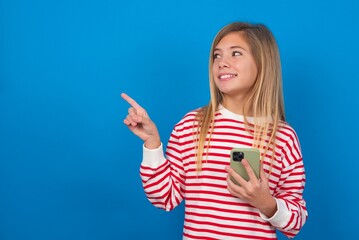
(153, 158)
(281, 217)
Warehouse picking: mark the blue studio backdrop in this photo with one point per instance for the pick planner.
(69, 167)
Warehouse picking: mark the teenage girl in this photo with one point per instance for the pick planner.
(246, 110)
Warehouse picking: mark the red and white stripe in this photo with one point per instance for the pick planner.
(211, 212)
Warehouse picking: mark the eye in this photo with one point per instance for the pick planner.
(237, 53)
(216, 55)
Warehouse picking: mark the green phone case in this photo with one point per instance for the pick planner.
(252, 155)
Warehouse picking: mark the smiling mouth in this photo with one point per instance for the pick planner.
(227, 76)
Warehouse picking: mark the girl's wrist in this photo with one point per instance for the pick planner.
(270, 208)
(152, 143)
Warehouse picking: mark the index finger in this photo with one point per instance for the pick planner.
(132, 102)
(249, 169)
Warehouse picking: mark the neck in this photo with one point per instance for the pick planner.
(234, 104)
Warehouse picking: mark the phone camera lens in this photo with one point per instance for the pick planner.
(238, 156)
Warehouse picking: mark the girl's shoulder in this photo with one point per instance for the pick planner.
(286, 127)
(286, 132)
(192, 114)
(188, 119)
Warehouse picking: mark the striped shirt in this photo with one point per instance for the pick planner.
(211, 212)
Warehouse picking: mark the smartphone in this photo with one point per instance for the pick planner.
(252, 155)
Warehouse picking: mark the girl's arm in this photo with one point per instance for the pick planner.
(285, 208)
(163, 179)
(292, 212)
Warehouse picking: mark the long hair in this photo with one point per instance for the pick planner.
(264, 100)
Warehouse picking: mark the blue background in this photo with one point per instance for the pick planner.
(69, 168)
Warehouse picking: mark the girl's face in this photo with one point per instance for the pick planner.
(234, 70)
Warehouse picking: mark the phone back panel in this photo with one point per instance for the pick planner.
(252, 155)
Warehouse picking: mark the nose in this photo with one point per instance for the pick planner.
(223, 63)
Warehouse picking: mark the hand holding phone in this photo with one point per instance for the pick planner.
(252, 155)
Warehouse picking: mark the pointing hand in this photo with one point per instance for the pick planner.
(140, 123)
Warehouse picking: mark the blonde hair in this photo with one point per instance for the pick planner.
(265, 98)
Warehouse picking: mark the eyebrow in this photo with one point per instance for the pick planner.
(232, 47)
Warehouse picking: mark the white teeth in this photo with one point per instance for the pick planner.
(227, 76)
